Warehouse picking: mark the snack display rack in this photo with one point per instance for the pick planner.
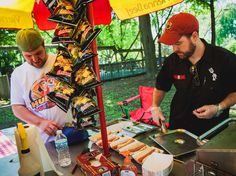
(76, 67)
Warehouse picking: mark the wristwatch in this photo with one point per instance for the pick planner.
(219, 110)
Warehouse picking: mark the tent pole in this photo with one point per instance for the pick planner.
(102, 118)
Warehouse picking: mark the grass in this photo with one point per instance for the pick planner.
(119, 90)
(7, 119)
(113, 92)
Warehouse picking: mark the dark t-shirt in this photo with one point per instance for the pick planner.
(217, 75)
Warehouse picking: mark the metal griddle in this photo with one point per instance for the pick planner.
(191, 141)
(168, 142)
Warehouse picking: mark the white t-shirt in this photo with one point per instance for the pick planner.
(29, 87)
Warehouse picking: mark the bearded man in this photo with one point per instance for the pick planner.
(202, 74)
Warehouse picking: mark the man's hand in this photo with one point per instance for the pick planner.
(50, 127)
(157, 115)
(206, 112)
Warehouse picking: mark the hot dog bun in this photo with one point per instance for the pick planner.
(110, 138)
(121, 140)
(125, 143)
(132, 147)
(140, 156)
(96, 137)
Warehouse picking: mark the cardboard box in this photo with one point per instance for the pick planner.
(95, 164)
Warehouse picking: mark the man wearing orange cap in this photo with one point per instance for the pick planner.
(203, 75)
(29, 86)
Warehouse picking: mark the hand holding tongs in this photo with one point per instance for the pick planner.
(162, 126)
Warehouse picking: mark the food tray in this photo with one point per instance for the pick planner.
(138, 128)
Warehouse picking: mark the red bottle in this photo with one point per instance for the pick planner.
(128, 168)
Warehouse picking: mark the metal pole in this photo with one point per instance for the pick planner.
(102, 118)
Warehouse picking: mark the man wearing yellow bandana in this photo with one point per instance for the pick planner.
(30, 86)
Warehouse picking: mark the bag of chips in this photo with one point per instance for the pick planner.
(84, 34)
(50, 4)
(79, 56)
(85, 77)
(78, 4)
(83, 105)
(62, 95)
(65, 13)
(62, 34)
(73, 51)
(81, 123)
(62, 69)
(61, 50)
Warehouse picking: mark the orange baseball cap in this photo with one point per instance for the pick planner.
(178, 25)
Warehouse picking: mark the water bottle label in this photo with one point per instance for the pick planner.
(61, 144)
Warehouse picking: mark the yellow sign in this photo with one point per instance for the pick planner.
(16, 13)
(126, 9)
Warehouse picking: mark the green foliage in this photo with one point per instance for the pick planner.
(7, 37)
(231, 46)
(7, 118)
(227, 25)
(119, 33)
(197, 7)
(8, 59)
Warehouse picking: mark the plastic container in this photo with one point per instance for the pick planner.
(128, 168)
(28, 164)
(62, 149)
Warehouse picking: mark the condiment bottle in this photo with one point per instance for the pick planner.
(28, 165)
(128, 168)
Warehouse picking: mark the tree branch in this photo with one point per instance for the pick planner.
(161, 26)
(132, 43)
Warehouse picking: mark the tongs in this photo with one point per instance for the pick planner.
(162, 126)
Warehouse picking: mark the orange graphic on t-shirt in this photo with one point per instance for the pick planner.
(39, 91)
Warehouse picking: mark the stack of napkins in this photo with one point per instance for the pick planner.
(157, 164)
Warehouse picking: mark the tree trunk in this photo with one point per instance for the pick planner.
(148, 45)
(213, 31)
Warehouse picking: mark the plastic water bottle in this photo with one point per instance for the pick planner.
(62, 149)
